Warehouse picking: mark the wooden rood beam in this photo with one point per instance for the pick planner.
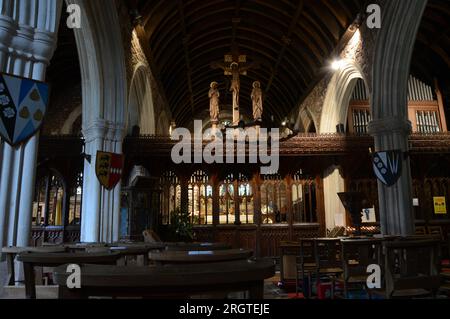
(187, 57)
(286, 41)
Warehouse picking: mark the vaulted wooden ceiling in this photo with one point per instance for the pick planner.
(289, 39)
(431, 56)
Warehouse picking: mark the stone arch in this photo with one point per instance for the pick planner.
(71, 119)
(339, 92)
(162, 129)
(104, 105)
(305, 121)
(102, 62)
(334, 112)
(140, 102)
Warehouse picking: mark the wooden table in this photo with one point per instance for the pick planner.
(197, 246)
(31, 260)
(199, 256)
(81, 247)
(135, 250)
(11, 252)
(168, 281)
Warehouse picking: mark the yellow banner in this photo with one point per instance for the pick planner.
(440, 207)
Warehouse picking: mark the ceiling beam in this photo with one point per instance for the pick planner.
(286, 42)
(186, 52)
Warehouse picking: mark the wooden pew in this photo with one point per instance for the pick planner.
(12, 252)
(196, 256)
(168, 281)
(31, 260)
(197, 246)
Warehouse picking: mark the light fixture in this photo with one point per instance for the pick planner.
(337, 64)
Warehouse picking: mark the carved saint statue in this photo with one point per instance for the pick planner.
(214, 102)
(257, 101)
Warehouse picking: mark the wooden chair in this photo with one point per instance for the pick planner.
(328, 260)
(356, 256)
(421, 230)
(289, 257)
(411, 268)
(306, 265)
(436, 231)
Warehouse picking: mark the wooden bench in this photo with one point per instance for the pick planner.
(168, 281)
(12, 252)
(31, 260)
(197, 246)
(199, 256)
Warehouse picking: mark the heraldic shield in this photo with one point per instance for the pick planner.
(388, 166)
(108, 168)
(23, 104)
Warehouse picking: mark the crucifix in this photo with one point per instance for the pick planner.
(234, 65)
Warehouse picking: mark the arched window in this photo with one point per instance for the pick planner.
(226, 200)
(170, 196)
(49, 202)
(236, 187)
(245, 197)
(75, 201)
(304, 207)
(200, 199)
(274, 203)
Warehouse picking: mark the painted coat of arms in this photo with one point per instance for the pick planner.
(23, 104)
(388, 166)
(108, 168)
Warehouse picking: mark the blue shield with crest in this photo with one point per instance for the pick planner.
(23, 104)
(388, 166)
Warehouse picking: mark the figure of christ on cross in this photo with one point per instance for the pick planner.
(235, 87)
(235, 69)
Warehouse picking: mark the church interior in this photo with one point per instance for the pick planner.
(346, 103)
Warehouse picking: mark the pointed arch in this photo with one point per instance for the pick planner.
(339, 92)
(140, 102)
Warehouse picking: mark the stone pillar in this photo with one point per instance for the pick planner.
(27, 43)
(101, 208)
(389, 102)
(396, 212)
(333, 183)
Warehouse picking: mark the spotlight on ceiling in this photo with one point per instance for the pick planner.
(337, 64)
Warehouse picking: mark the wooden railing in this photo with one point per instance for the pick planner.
(57, 235)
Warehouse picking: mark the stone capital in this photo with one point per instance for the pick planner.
(96, 130)
(26, 42)
(389, 125)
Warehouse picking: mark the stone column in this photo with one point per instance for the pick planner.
(389, 102)
(90, 222)
(101, 208)
(396, 212)
(27, 43)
